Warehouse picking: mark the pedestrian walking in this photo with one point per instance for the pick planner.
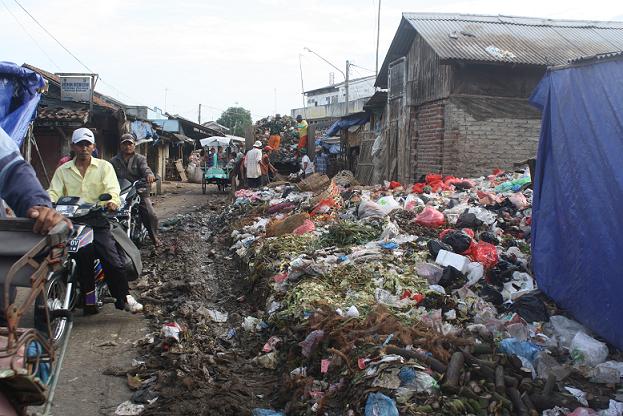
(252, 165)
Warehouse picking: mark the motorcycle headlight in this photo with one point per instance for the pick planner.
(81, 212)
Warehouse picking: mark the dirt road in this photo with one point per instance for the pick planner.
(107, 341)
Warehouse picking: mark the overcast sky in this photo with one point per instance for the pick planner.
(235, 52)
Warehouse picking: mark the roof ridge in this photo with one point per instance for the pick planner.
(466, 17)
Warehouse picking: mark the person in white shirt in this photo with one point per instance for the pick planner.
(307, 166)
(252, 165)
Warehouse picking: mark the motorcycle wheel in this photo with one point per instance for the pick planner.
(56, 290)
(138, 232)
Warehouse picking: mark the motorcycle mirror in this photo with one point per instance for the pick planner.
(105, 197)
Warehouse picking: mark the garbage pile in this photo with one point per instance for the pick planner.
(411, 300)
(284, 154)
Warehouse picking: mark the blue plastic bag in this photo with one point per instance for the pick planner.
(266, 412)
(379, 404)
(525, 349)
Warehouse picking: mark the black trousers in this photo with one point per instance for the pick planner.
(105, 249)
(254, 182)
(148, 216)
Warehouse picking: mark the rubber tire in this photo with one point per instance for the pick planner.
(55, 290)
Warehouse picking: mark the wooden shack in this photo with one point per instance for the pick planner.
(458, 88)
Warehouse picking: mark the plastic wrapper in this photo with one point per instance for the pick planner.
(308, 226)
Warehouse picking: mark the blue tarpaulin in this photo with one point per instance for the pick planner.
(19, 98)
(577, 230)
(346, 122)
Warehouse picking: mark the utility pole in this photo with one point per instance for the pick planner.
(346, 76)
(199, 117)
(378, 33)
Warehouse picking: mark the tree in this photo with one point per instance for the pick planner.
(237, 119)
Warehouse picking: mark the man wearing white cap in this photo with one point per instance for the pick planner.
(88, 177)
(252, 165)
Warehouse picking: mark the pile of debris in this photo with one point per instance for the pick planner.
(413, 300)
(385, 300)
(284, 158)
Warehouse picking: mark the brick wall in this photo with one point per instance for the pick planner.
(484, 144)
(447, 139)
(428, 136)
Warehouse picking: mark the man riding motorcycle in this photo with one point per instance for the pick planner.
(132, 166)
(88, 177)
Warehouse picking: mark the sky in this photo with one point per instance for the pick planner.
(222, 53)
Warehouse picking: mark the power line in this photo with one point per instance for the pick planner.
(74, 56)
(53, 37)
(29, 35)
(365, 69)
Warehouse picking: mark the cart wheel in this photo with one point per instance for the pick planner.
(204, 186)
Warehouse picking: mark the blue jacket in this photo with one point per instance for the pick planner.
(19, 185)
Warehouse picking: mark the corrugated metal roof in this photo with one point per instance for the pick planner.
(519, 40)
(503, 39)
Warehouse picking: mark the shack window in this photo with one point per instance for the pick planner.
(397, 77)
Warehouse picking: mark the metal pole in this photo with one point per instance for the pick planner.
(346, 86)
(29, 144)
(199, 117)
(378, 33)
(302, 86)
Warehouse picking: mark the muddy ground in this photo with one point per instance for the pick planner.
(109, 340)
(211, 372)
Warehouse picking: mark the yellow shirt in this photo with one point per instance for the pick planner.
(302, 126)
(100, 178)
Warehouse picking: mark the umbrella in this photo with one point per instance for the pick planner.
(215, 141)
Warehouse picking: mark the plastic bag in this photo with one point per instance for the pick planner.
(475, 272)
(452, 278)
(587, 350)
(370, 209)
(435, 246)
(266, 412)
(565, 329)
(468, 220)
(390, 231)
(430, 217)
(483, 253)
(530, 308)
(388, 204)
(525, 349)
(307, 227)
(411, 202)
(458, 240)
(431, 272)
(519, 201)
(324, 206)
(379, 404)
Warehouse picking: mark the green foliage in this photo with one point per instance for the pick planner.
(237, 119)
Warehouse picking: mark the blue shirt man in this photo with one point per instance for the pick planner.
(21, 190)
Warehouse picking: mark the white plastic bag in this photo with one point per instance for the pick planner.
(587, 350)
(388, 203)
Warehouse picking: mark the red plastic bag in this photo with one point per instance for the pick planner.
(483, 253)
(430, 217)
(307, 227)
(445, 232)
(324, 206)
(418, 188)
(469, 232)
(394, 185)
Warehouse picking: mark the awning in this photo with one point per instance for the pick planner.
(346, 122)
(215, 141)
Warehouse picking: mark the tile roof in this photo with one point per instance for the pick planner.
(63, 114)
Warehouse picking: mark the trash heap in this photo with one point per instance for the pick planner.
(411, 300)
(286, 154)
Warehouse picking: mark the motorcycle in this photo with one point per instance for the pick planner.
(129, 215)
(63, 286)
